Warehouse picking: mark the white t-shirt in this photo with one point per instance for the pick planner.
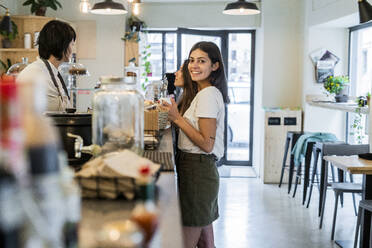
(208, 103)
(37, 71)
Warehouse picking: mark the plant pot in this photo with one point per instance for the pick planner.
(6, 43)
(341, 98)
(40, 11)
(136, 26)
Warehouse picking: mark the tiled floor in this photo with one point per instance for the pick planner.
(253, 214)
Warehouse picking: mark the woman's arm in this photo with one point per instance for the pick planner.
(204, 138)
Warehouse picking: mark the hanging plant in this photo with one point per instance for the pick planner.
(133, 29)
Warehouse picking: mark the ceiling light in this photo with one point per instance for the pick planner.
(241, 7)
(365, 11)
(84, 6)
(136, 7)
(108, 7)
(6, 24)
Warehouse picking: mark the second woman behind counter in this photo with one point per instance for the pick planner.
(56, 41)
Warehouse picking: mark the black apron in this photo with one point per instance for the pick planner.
(55, 81)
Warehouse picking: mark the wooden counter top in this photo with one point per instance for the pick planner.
(352, 164)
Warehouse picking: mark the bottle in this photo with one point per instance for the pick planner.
(15, 69)
(27, 41)
(45, 229)
(145, 213)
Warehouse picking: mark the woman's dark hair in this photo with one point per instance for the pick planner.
(218, 77)
(54, 39)
(190, 89)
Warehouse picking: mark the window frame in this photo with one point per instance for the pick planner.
(351, 30)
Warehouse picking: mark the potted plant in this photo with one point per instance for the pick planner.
(39, 6)
(8, 37)
(338, 87)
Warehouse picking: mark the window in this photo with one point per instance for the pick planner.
(364, 61)
(360, 73)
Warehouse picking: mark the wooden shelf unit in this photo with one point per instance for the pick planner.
(26, 24)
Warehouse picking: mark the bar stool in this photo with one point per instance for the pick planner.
(364, 205)
(306, 171)
(317, 150)
(291, 139)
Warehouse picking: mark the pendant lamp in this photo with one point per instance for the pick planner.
(365, 11)
(108, 7)
(6, 24)
(241, 7)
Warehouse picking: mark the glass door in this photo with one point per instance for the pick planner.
(240, 109)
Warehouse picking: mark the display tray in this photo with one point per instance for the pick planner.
(99, 187)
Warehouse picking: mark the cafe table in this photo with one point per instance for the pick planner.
(356, 165)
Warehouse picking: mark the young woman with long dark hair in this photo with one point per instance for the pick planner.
(201, 143)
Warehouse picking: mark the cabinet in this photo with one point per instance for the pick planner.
(26, 24)
(277, 123)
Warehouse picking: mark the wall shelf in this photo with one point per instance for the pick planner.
(4, 50)
(347, 107)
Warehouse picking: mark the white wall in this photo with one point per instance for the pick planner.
(326, 27)
(282, 53)
(318, 119)
(12, 5)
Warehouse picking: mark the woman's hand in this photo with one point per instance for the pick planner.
(173, 113)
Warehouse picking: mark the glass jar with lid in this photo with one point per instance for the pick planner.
(118, 116)
(15, 69)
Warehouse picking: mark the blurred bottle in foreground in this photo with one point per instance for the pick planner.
(145, 212)
(12, 165)
(44, 228)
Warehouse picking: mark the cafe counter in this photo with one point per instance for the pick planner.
(96, 213)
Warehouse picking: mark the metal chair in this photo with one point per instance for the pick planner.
(340, 188)
(291, 139)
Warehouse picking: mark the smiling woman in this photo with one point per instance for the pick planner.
(201, 143)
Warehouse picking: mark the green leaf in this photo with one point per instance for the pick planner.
(33, 8)
(53, 6)
(3, 65)
(59, 4)
(28, 2)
